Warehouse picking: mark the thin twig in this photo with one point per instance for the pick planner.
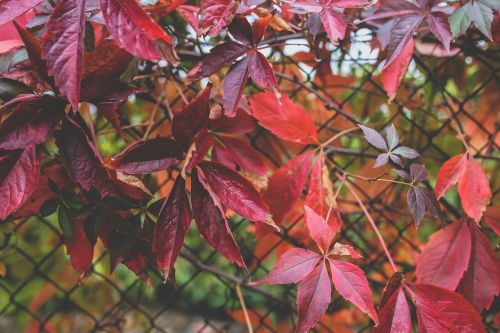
(244, 308)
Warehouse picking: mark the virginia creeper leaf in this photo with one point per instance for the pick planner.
(351, 283)
(474, 190)
(286, 120)
(292, 267)
(445, 258)
(63, 47)
(173, 222)
(449, 174)
(210, 218)
(481, 282)
(393, 74)
(395, 314)
(19, 173)
(313, 296)
(79, 248)
(136, 32)
(147, 156)
(319, 230)
(236, 192)
(10, 9)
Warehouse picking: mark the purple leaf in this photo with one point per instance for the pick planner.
(374, 138)
(382, 159)
(406, 152)
(392, 137)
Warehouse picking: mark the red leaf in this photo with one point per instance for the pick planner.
(334, 23)
(481, 281)
(313, 297)
(474, 190)
(33, 46)
(393, 74)
(351, 283)
(236, 192)
(395, 314)
(233, 85)
(31, 122)
(237, 152)
(198, 150)
(79, 248)
(82, 158)
(190, 14)
(241, 123)
(319, 230)
(173, 222)
(261, 72)
(63, 47)
(286, 184)
(211, 220)
(441, 310)
(147, 156)
(287, 120)
(445, 258)
(193, 117)
(215, 15)
(220, 56)
(449, 174)
(291, 267)
(19, 173)
(320, 193)
(401, 34)
(135, 31)
(10, 9)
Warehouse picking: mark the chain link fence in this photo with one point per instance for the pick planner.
(40, 291)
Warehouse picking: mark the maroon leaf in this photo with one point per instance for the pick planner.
(236, 192)
(147, 156)
(481, 281)
(19, 173)
(82, 158)
(446, 257)
(173, 222)
(421, 200)
(395, 314)
(440, 27)
(442, 310)
(136, 32)
(401, 34)
(292, 267)
(211, 220)
(261, 72)
(241, 123)
(285, 119)
(233, 85)
(286, 184)
(215, 15)
(313, 296)
(239, 153)
(79, 248)
(198, 150)
(10, 9)
(31, 122)
(33, 46)
(220, 56)
(351, 283)
(319, 230)
(63, 47)
(193, 117)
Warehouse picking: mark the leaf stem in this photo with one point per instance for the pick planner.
(338, 135)
(374, 226)
(244, 308)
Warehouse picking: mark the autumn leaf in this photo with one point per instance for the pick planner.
(10, 9)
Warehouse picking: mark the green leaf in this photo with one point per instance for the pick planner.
(49, 207)
(482, 17)
(65, 221)
(460, 20)
(11, 88)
